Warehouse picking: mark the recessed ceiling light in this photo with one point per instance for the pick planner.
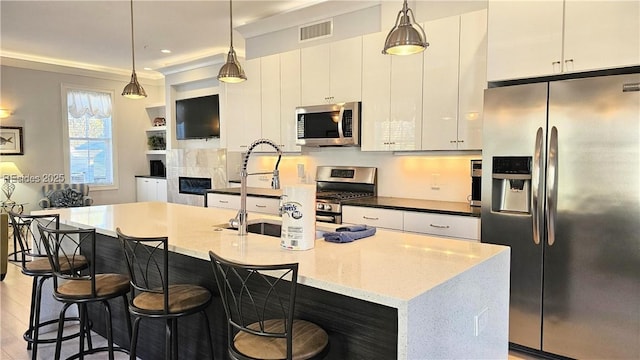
(148, 68)
(165, 51)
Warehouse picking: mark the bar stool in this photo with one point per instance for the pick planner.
(82, 287)
(37, 265)
(259, 301)
(152, 296)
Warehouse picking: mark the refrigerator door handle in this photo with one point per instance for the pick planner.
(552, 187)
(536, 179)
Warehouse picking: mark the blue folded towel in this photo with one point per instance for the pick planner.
(346, 234)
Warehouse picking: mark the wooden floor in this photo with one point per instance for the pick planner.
(15, 295)
(15, 299)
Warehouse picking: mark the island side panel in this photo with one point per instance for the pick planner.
(357, 329)
(442, 322)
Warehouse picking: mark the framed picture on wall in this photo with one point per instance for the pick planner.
(11, 140)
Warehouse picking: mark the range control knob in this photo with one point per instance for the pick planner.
(327, 207)
(319, 206)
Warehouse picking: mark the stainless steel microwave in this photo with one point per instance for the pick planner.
(328, 125)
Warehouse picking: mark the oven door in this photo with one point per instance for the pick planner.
(327, 217)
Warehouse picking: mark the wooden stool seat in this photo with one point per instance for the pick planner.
(107, 285)
(309, 340)
(41, 265)
(182, 297)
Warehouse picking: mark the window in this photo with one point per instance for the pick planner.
(89, 137)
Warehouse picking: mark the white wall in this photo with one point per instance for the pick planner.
(34, 95)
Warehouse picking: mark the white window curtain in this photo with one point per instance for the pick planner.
(88, 103)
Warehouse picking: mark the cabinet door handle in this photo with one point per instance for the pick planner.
(261, 206)
(369, 218)
(568, 65)
(453, 141)
(223, 201)
(439, 226)
(460, 141)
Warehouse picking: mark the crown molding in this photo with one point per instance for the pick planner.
(76, 68)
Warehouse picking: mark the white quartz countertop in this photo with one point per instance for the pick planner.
(390, 268)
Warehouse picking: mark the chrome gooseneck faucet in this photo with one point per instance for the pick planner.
(240, 221)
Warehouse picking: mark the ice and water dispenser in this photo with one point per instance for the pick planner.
(511, 188)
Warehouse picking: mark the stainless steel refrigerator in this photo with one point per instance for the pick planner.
(561, 187)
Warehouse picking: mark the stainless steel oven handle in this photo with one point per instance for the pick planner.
(340, 118)
(326, 218)
(536, 179)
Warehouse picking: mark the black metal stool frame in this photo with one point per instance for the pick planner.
(61, 244)
(249, 310)
(21, 223)
(148, 264)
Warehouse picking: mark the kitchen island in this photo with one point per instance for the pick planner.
(416, 296)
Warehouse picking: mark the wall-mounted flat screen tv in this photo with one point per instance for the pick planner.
(198, 118)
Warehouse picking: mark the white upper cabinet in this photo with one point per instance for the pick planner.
(391, 98)
(289, 99)
(533, 38)
(243, 114)
(472, 79)
(332, 72)
(601, 34)
(524, 39)
(264, 105)
(270, 90)
(440, 78)
(454, 82)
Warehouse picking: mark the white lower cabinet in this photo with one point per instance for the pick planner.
(453, 226)
(263, 205)
(256, 204)
(149, 189)
(383, 218)
(463, 227)
(223, 201)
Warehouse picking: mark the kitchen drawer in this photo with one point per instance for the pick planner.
(464, 227)
(383, 218)
(223, 201)
(263, 205)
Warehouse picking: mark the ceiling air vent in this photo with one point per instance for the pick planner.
(315, 31)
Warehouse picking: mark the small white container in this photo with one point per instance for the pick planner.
(298, 217)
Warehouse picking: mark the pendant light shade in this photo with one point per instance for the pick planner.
(133, 90)
(231, 71)
(404, 39)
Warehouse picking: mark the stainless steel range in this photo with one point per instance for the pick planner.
(335, 184)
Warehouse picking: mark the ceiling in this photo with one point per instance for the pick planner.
(96, 34)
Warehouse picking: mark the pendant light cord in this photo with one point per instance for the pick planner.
(133, 53)
(230, 22)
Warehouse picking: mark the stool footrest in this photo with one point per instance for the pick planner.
(29, 338)
(100, 349)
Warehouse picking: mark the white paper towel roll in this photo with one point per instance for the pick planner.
(298, 217)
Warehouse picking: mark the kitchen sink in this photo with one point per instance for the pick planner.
(271, 228)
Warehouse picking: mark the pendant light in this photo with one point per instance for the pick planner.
(231, 71)
(133, 90)
(404, 39)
